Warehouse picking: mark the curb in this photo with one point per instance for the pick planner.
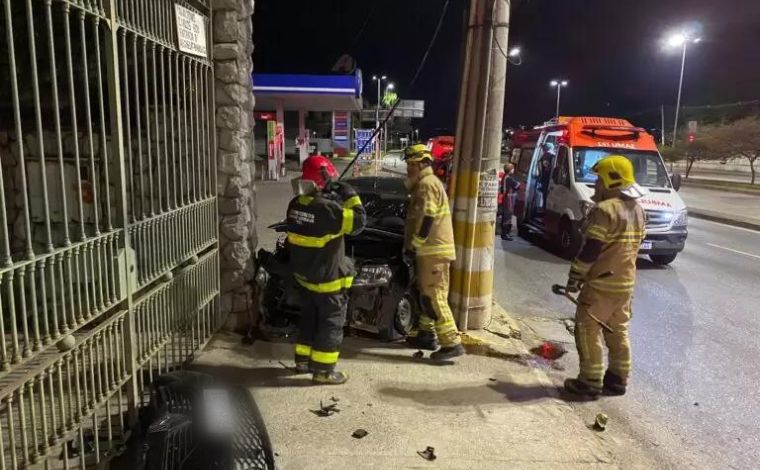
(508, 320)
(718, 186)
(718, 217)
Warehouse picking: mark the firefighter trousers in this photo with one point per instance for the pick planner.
(615, 311)
(320, 332)
(433, 286)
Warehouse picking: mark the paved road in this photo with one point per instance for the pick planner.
(695, 331)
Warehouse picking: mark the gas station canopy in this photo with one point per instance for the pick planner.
(308, 92)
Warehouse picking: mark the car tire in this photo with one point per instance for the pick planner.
(569, 239)
(403, 317)
(663, 260)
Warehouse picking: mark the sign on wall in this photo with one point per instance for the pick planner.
(191, 31)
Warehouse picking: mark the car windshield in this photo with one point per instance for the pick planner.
(650, 172)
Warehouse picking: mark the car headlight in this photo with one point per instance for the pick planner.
(681, 219)
(262, 277)
(373, 276)
(586, 207)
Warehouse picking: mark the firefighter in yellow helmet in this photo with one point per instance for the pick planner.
(429, 239)
(613, 233)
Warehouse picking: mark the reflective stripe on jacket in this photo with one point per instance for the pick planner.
(316, 226)
(428, 222)
(616, 227)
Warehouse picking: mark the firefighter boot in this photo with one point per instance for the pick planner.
(614, 385)
(448, 352)
(425, 340)
(579, 387)
(302, 367)
(332, 377)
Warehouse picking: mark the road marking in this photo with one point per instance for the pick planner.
(743, 229)
(733, 251)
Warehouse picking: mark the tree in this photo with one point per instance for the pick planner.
(739, 139)
(700, 149)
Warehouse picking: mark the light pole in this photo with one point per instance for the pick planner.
(681, 40)
(559, 84)
(389, 87)
(379, 80)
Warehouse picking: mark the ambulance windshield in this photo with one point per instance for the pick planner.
(650, 172)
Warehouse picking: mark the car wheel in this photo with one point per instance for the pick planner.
(663, 260)
(568, 239)
(403, 319)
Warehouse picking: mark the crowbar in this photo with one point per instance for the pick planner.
(562, 290)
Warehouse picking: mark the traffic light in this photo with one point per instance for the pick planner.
(691, 138)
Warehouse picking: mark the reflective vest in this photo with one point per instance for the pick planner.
(620, 225)
(429, 231)
(316, 226)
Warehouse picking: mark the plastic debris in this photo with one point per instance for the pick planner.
(359, 433)
(549, 350)
(600, 424)
(325, 411)
(418, 355)
(428, 454)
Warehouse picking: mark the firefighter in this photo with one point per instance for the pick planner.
(429, 241)
(605, 272)
(324, 211)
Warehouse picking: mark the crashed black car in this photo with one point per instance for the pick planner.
(381, 300)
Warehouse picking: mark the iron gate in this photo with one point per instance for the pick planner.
(108, 220)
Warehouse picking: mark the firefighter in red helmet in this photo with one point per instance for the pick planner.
(323, 211)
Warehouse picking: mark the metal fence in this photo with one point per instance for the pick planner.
(108, 219)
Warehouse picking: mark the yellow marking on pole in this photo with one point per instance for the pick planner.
(480, 284)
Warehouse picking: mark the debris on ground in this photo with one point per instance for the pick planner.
(569, 325)
(334, 399)
(600, 424)
(418, 354)
(549, 350)
(287, 367)
(428, 454)
(359, 433)
(325, 411)
(492, 379)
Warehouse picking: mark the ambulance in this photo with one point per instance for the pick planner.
(554, 162)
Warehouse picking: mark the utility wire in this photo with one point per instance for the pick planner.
(411, 85)
(364, 26)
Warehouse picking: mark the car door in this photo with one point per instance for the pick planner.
(560, 196)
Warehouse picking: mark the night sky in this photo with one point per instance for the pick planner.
(609, 50)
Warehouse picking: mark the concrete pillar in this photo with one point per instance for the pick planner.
(233, 65)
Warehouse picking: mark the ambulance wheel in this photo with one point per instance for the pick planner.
(663, 260)
(568, 239)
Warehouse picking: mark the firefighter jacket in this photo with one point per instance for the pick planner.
(316, 226)
(614, 231)
(428, 230)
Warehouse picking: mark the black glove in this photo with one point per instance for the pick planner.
(344, 190)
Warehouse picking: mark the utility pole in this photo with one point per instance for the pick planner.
(475, 180)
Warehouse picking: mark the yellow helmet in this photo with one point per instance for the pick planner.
(616, 172)
(417, 153)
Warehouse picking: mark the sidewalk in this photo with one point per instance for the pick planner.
(495, 408)
(732, 208)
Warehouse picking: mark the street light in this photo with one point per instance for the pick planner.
(559, 84)
(680, 39)
(514, 56)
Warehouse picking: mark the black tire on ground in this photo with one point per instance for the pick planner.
(663, 260)
(569, 239)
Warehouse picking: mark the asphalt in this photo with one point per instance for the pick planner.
(695, 331)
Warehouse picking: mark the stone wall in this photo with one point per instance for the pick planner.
(233, 65)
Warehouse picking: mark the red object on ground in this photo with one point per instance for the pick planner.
(550, 350)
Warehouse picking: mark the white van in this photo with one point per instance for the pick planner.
(554, 162)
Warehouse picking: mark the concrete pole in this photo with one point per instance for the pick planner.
(477, 159)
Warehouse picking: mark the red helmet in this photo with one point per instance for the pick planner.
(319, 169)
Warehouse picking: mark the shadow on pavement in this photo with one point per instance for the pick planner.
(275, 376)
(473, 395)
(647, 265)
